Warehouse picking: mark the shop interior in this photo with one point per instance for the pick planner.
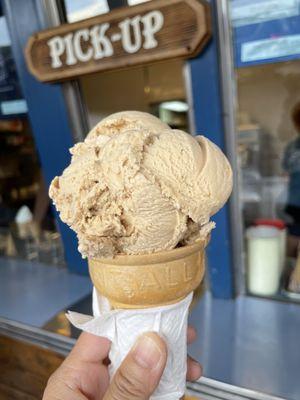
(266, 97)
(32, 264)
(27, 226)
(158, 89)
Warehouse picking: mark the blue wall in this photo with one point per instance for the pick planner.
(206, 91)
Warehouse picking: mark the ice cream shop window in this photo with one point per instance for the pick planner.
(77, 10)
(27, 229)
(266, 58)
(158, 88)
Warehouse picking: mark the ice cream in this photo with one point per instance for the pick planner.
(140, 197)
(136, 186)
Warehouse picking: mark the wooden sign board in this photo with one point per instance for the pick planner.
(153, 31)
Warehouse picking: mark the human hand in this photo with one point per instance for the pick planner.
(84, 373)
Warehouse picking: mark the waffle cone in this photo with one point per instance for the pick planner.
(149, 280)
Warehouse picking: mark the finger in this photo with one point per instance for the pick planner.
(62, 386)
(77, 380)
(194, 369)
(90, 348)
(140, 372)
(191, 334)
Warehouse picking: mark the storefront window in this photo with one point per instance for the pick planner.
(77, 10)
(158, 89)
(266, 49)
(27, 228)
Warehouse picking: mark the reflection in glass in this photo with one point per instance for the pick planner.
(266, 53)
(77, 10)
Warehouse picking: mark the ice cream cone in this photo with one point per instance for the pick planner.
(149, 280)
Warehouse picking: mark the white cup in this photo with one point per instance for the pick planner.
(264, 260)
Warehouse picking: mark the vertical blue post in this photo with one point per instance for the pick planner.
(207, 102)
(47, 112)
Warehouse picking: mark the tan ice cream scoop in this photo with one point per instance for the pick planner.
(135, 186)
(126, 120)
(192, 171)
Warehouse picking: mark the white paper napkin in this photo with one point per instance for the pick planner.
(122, 327)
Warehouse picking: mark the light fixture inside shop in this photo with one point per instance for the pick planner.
(176, 106)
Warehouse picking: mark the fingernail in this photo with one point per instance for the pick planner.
(146, 352)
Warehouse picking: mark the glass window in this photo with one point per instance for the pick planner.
(77, 10)
(266, 47)
(146, 88)
(27, 228)
(158, 88)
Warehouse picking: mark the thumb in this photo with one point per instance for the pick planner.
(140, 372)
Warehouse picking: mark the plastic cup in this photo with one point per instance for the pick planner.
(264, 260)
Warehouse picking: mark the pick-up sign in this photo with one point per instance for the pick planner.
(149, 32)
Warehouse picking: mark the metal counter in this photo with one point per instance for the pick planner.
(204, 389)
